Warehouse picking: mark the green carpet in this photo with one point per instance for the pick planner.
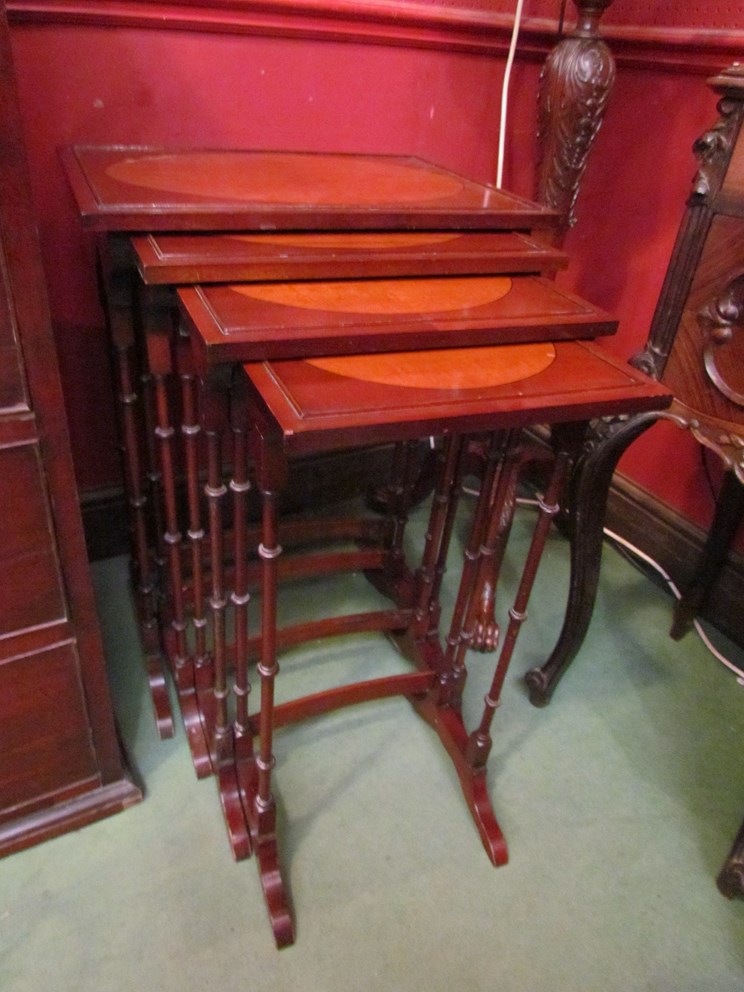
(619, 802)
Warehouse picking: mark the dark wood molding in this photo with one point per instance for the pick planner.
(676, 544)
(411, 24)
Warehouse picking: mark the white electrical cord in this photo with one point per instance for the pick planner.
(675, 591)
(505, 92)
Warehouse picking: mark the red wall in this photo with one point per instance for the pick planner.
(434, 92)
(85, 84)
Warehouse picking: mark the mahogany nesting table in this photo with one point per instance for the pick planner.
(313, 290)
(293, 407)
(238, 213)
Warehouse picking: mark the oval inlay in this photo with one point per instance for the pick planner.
(451, 368)
(276, 177)
(383, 296)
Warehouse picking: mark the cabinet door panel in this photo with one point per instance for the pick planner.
(45, 745)
(13, 394)
(32, 583)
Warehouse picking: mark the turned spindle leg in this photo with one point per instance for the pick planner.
(426, 610)
(482, 628)
(191, 432)
(116, 291)
(490, 477)
(228, 772)
(178, 650)
(175, 607)
(154, 482)
(491, 528)
(214, 401)
(263, 805)
(199, 658)
(480, 741)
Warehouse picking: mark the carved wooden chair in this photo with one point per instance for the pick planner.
(696, 348)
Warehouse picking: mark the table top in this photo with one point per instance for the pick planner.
(185, 259)
(121, 188)
(320, 404)
(249, 321)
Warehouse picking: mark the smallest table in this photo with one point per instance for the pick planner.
(296, 407)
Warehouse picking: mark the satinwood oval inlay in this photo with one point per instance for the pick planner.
(450, 368)
(383, 296)
(329, 180)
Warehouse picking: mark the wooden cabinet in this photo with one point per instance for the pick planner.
(60, 765)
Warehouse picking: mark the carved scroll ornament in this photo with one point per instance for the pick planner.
(713, 150)
(575, 85)
(721, 320)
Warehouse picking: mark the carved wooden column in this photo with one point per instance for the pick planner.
(575, 85)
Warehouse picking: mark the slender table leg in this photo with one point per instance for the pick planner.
(491, 530)
(450, 469)
(480, 741)
(441, 707)
(219, 730)
(242, 735)
(589, 489)
(260, 802)
(470, 752)
(419, 642)
(162, 353)
(117, 295)
(191, 431)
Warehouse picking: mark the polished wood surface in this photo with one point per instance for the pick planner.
(244, 322)
(453, 370)
(317, 409)
(130, 188)
(60, 764)
(173, 259)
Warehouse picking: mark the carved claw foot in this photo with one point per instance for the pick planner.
(485, 636)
